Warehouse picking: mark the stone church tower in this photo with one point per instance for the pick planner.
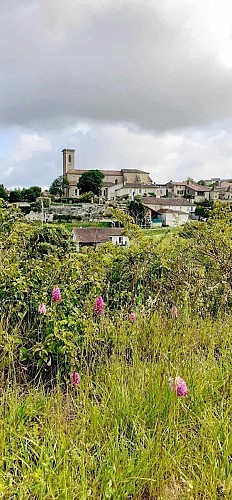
(68, 160)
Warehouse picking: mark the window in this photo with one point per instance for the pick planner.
(76, 192)
(110, 238)
(116, 181)
(120, 240)
(69, 159)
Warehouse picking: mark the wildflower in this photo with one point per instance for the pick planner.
(132, 317)
(75, 378)
(42, 309)
(98, 306)
(179, 387)
(174, 312)
(56, 295)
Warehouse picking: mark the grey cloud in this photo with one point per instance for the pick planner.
(132, 63)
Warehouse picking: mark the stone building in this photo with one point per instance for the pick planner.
(116, 183)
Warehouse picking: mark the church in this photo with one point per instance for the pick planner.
(116, 183)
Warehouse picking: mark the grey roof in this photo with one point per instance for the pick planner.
(96, 234)
(170, 211)
(175, 202)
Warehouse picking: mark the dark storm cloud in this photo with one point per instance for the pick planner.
(133, 62)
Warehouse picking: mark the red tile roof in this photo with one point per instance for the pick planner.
(79, 171)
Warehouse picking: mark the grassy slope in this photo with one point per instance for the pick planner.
(122, 434)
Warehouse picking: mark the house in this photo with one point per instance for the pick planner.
(95, 236)
(180, 204)
(169, 217)
(116, 183)
(223, 191)
(168, 211)
(188, 190)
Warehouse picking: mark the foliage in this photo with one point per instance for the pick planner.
(31, 194)
(190, 180)
(91, 180)
(86, 197)
(3, 193)
(201, 182)
(203, 208)
(37, 205)
(26, 194)
(122, 433)
(58, 186)
(137, 210)
(190, 267)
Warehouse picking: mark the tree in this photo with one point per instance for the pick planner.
(91, 180)
(201, 182)
(137, 210)
(3, 193)
(58, 186)
(31, 194)
(190, 180)
(203, 208)
(15, 195)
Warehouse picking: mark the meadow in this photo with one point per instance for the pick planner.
(121, 433)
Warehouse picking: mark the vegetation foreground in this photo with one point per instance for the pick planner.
(92, 345)
(121, 433)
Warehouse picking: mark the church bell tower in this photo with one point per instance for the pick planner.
(68, 160)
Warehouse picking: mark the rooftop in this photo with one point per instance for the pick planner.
(175, 202)
(96, 234)
(79, 171)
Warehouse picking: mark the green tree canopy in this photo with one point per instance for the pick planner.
(203, 208)
(26, 194)
(91, 180)
(137, 210)
(15, 195)
(3, 193)
(58, 186)
(30, 194)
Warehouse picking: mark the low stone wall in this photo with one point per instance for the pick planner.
(84, 212)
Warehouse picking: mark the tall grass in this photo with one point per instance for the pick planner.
(122, 434)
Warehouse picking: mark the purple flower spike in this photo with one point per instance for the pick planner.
(179, 387)
(75, 378)
(98, 306)
(132, 317)
(42, 309)
(56, 295)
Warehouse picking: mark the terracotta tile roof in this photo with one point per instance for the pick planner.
(138, 185)
(96, 234)
(79, 171)
(198, 187)
(134, 171)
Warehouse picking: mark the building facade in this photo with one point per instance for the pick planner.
(116, 183)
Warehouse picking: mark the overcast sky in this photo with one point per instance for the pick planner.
(128, 84)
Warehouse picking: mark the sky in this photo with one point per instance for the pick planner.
(143, 84)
